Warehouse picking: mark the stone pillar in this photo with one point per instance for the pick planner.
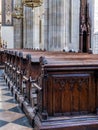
(61, 26)
(75, 5)
(18, 33)
(46, 23)
(54, 24)
(93, 11)
(41, 26)
(36, 18)
(33, 31)
(18, 29)
(28, 27)
(67, 23)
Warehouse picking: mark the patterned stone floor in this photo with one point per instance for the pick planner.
(11, 116)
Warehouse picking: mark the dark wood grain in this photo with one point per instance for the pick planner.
(65, 94)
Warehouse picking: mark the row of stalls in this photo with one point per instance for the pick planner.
(54, 89)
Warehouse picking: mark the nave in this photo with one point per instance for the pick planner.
(11, 116)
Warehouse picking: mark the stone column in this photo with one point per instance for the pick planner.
(41, 25)
(18, 33)
(93, 11)
(28, 27)
(18, 29)
(61, 25)
(32, 29)
(46, 23)
(59, 29)
(54, 24)
(67, 23)
(75, 24)
(36, 18)
(25, 27)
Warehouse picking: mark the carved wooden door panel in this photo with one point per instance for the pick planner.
(72, 94)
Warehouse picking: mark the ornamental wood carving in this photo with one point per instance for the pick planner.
(70, 90)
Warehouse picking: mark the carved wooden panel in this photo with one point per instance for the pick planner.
(70, 94)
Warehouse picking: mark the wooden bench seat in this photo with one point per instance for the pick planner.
(58, 88)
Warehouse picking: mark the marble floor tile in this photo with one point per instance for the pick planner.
(8, 94)
(1, 110)
(12, 126)
(3, 87)
(2, 123)
(4, 98)
(16, 109)
(11, 100)
(6, 105)
(2, 79)
(10, 116)
(3, 92)
(23, 121)
(2, 82)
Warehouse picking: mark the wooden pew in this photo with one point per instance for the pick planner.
(24, 73)
(22, 66)
(2, 58)
(69, 88)
(77, 74)
(7, 67)
(25, 76)
(12, 67)
(62, 90)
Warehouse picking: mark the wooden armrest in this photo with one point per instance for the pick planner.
(24, 77)
(18, 72)
(37, 86)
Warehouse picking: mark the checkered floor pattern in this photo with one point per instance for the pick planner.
(11, 116)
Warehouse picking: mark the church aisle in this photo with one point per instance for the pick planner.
(11, 116)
